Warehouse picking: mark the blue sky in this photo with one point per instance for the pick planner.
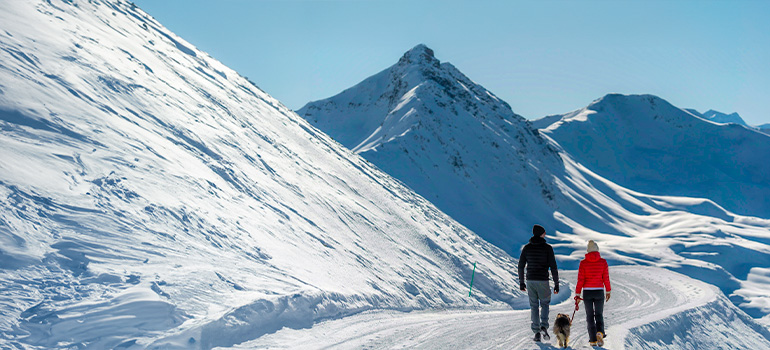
(543, 57)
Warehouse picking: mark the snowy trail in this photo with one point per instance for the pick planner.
(641, 295)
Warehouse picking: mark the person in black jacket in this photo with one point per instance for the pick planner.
(538, 257)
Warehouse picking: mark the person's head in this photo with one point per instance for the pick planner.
(592, 246)
(538, 231)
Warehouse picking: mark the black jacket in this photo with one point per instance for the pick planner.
(538, 257)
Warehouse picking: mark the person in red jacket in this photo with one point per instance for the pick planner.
(594, 282)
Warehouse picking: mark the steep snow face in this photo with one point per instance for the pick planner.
(450, 140)
(152, 197)
(644, 143)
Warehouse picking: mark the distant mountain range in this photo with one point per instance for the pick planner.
(644, 143)
(723, 118)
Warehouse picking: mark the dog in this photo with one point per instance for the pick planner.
(561, 328)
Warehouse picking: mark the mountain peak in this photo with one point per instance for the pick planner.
(719, 117)
(617, 97)
(419, 54)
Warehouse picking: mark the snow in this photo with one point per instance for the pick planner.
(723, 118)
(150, 197)
(450, 140)
(765, 128)
(653, 184)
(650, 308)
(644, 143)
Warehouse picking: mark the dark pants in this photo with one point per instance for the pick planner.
(594, 303)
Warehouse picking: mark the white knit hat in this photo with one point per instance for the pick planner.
(592, 246)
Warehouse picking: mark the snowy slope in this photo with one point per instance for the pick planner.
(644, 143)
(765, 128)
(719, 117)
(151, 197)
(452, 141)
(504, 187)
(650, 309)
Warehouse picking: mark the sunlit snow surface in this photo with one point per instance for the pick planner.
(453, 142)
(152, 197)
(650, 308)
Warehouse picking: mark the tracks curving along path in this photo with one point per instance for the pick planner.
(650, 308)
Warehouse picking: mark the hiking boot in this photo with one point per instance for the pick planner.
(544, 332)
(537, 337)
(599, 339)
(592, 343)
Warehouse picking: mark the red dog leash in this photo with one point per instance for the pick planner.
(577, 307)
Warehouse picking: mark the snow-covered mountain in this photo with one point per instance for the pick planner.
(450, 140)
(506, 181)
(644, 143)
(765, 128)
(722, 118)
(719, 117)
(690, 171)
(151, 197)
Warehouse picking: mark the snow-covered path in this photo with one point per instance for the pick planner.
(641, 296)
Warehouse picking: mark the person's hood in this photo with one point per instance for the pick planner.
(593, 256)
(537, 240)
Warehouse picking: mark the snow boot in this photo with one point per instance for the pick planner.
(592, 343)
(537, 338)
(544, 332)
(599, 339)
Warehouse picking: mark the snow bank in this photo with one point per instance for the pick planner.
(716, 325)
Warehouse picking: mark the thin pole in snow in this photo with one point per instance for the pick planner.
(473, 274)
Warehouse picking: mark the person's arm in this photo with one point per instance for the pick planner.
(554, 269)
(606, 278)
(581, 279)
(522, 263)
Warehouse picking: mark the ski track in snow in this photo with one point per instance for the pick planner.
(641, 296)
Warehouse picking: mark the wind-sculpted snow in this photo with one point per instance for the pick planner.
(150, 197)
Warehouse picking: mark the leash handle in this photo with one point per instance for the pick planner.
(577, 307)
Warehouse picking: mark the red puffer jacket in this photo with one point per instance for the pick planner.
(593, 273)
